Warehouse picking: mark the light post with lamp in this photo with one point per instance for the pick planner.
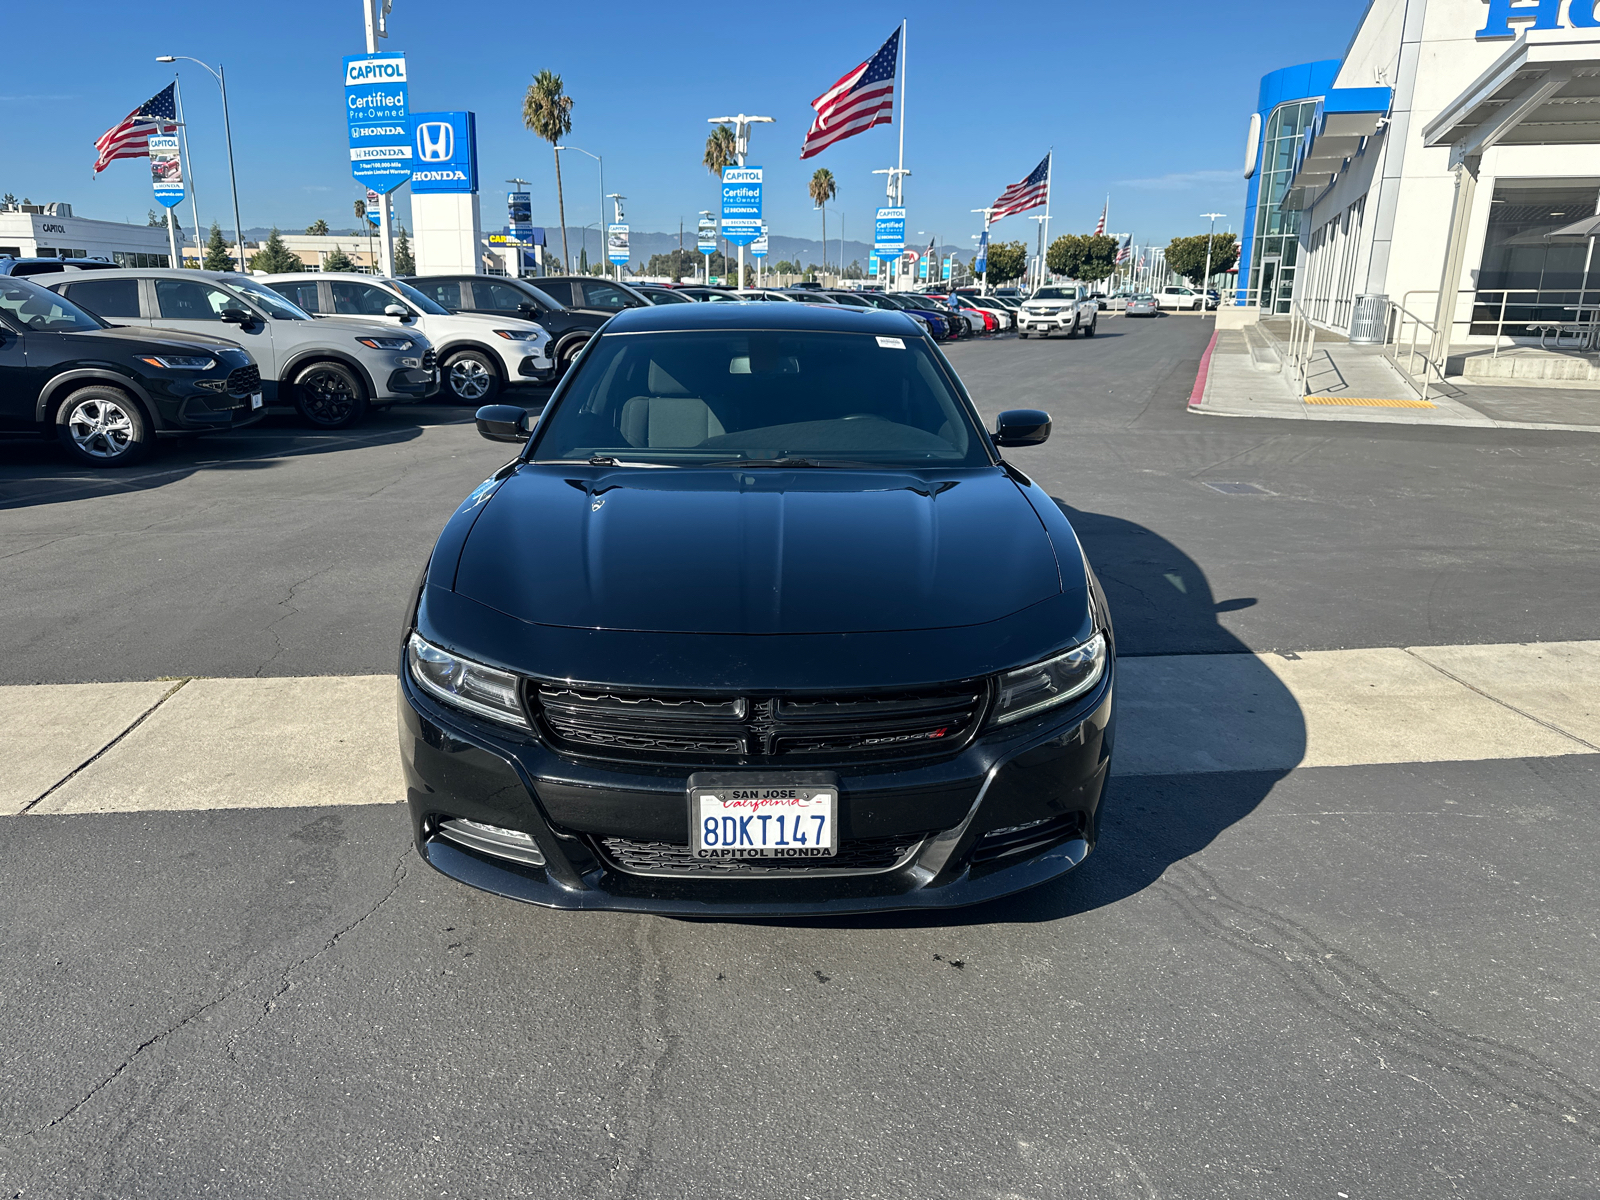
(601, 211)
(1205, 283)
(227, 133)
(741, 146)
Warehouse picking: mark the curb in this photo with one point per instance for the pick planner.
(1197, 395)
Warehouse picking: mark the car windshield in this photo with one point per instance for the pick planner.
(762, 398)
(268, 300)
(1055, 293)
(34, 307)
(432, 308)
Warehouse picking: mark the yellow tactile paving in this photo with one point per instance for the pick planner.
(1363, 402)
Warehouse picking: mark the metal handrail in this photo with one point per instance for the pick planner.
(1302, 347)
(1399, 316)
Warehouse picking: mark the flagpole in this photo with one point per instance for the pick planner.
(1044, 229)
(194, 200)
(900, 164)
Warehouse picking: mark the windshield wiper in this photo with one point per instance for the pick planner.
(791, 461)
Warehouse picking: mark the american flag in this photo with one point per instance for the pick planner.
(1101, 228)
(130, 137)
(1030, 193)
(1122, 250)
(862, 99)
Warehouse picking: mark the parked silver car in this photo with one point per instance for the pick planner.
(330, 371)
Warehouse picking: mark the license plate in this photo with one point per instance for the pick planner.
(763, 817)
(255, 401)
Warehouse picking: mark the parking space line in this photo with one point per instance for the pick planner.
(331, 740)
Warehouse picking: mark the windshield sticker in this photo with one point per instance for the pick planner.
(892, 343)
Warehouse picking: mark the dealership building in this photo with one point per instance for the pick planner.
(1426, 170)
(51, 231)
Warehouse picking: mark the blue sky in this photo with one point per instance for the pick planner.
(1148, 101)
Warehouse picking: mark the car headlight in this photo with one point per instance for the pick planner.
(385, 343)
(521, 335)
(465, 684)
(180, 362)
(1057, 679)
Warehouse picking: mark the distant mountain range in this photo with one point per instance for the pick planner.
(805, 251)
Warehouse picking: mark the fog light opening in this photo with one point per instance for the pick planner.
(1010, 841)
(491, 839)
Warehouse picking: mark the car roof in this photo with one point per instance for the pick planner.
(143, 273)
(827, 318)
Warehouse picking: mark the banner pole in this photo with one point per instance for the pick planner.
(194, 199)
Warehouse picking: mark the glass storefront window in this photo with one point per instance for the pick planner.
(1277, 233)
(1537, 279)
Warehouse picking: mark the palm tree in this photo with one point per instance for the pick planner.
(547, 111)
(720, 151)
(823, 188)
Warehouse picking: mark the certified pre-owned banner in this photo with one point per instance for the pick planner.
(707, 236)
(889, 231)
(617, 243)
(375, 107)
(741, 204)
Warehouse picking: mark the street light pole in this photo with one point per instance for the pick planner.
(227, 132)
(1205, 283)
(741, 147)
(983, 279)
(897, 193)
(601, 162)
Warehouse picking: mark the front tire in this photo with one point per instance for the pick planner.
(1022, 335)
(102, 426)
(568, 355)
(1088, 330)
(329, 396)
(470, 378)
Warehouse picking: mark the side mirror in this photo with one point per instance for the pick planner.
(504, 423)
(396, 310)
(528, 308)
(1021, 427)
(236, 316)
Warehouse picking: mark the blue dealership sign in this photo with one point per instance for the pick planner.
(982, 265)
(444, 152)
(741, 204)
(889, 232)
(380, 133)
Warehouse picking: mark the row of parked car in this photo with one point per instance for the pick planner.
(111, 359)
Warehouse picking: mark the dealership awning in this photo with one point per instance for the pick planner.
(1540, 92)
(1344, 119)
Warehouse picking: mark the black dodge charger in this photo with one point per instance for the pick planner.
(758, 622)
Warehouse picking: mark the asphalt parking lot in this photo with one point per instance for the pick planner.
(1333, 974)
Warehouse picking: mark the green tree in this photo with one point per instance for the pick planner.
(9, 200)
(583, 259)
(361, 213)
(404, 263)
(317, 228)
(274, 257)
(823, 188)
(218, 256)
(547, 111)
(1187, 255)
(1082, 256)
(1007, 260)
(337, 260)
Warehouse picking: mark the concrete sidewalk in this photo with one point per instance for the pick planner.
(283, 743)
(1246, 375)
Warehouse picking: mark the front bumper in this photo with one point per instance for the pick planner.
(1039, 786)
(538, 369)
(1044, 322)
(413, 383)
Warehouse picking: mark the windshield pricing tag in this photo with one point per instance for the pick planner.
(889, 343)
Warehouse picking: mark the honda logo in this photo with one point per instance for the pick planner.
(436, 141)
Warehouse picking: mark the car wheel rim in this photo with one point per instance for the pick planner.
(329, 398)
(101, 428)
(469, 379)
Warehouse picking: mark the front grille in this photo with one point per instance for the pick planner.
(430, 360)
(730, 728)
(244, 381)
(668, 858)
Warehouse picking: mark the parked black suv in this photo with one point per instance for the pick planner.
(569, 328)
(108, 391)
(591, 291)
(51, 266)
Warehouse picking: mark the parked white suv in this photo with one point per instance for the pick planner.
(331, 373)
(478, 353)
(1059, 308)
(1178, 296)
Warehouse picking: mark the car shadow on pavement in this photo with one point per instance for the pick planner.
(1169, 801)
(35, 470)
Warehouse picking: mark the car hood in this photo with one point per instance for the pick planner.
(759, 551)
(171, 339)
(481, 321)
